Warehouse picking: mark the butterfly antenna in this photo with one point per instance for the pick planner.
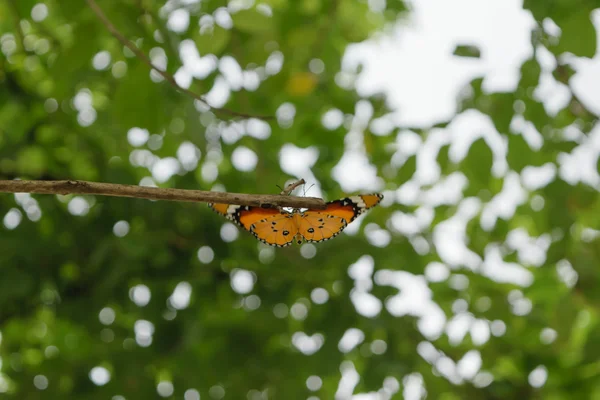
(306, 190)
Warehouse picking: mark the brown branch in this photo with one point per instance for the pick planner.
(168, 77)
(145, 192)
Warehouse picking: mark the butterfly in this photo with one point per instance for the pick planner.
(281, 228)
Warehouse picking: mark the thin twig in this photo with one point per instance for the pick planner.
(20, 37)
(168, 77)
(288, 189)
(145, 192)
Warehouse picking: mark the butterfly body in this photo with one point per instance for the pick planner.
(281, 228)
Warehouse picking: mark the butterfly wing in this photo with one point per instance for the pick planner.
(319, 225)
(275, 230)
(268, 225)
(226, 210)
(351, 207)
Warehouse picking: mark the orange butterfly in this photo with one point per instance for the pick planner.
(281, 228)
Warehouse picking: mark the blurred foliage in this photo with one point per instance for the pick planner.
(76, 272)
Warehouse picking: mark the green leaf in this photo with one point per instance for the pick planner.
(519, 153)
(468, 51)
(578, 34)
(32, 161)
(407, 170)
(253, 21)
(213, 42)
(136, 94)
(478, 164)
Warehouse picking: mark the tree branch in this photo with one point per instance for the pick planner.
(168, 77)
(152, 193)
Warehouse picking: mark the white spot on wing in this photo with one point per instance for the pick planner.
(232, 209)
(358, 201)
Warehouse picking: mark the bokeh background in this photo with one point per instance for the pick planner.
(476, 278)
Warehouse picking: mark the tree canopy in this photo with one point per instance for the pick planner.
(475, 278)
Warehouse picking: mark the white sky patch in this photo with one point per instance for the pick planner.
(495, 268)
(251, 80)
(554, 95)
(354, 172)
(471, 125)
(446, 191)
(534, 178)
(13, 218)
(242, 281)
(180, 298)
(274, 63)
(407, 144)
(504, 204)
(144, 330)
(469, 364)
(232, 72)
(32, 208)
(361, 271)
(140, 295)
(188, 155)
(230, 133)
(351, 338)
(480, 332)
(179, 20)
(530, 250)
(537, 378)
(142, 158)
(101, 60)
(364, 302)
(458, 327)
(285, 115)
(218, 95)
(258, 129)
(411, 224)
(79, 206)
(332, 119)
(422, 91)
(307, 344)
(377, 236)
(348, 381)
(296, 161)
(450, 238)
(414, 298)
(413, 387)
(244, 159)
(580, 164)
(164, 169)
(100, 376)
(159, 60)
(437, 272)
(528, 131)
(193, 64)
(223, 18)
(229, 232)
